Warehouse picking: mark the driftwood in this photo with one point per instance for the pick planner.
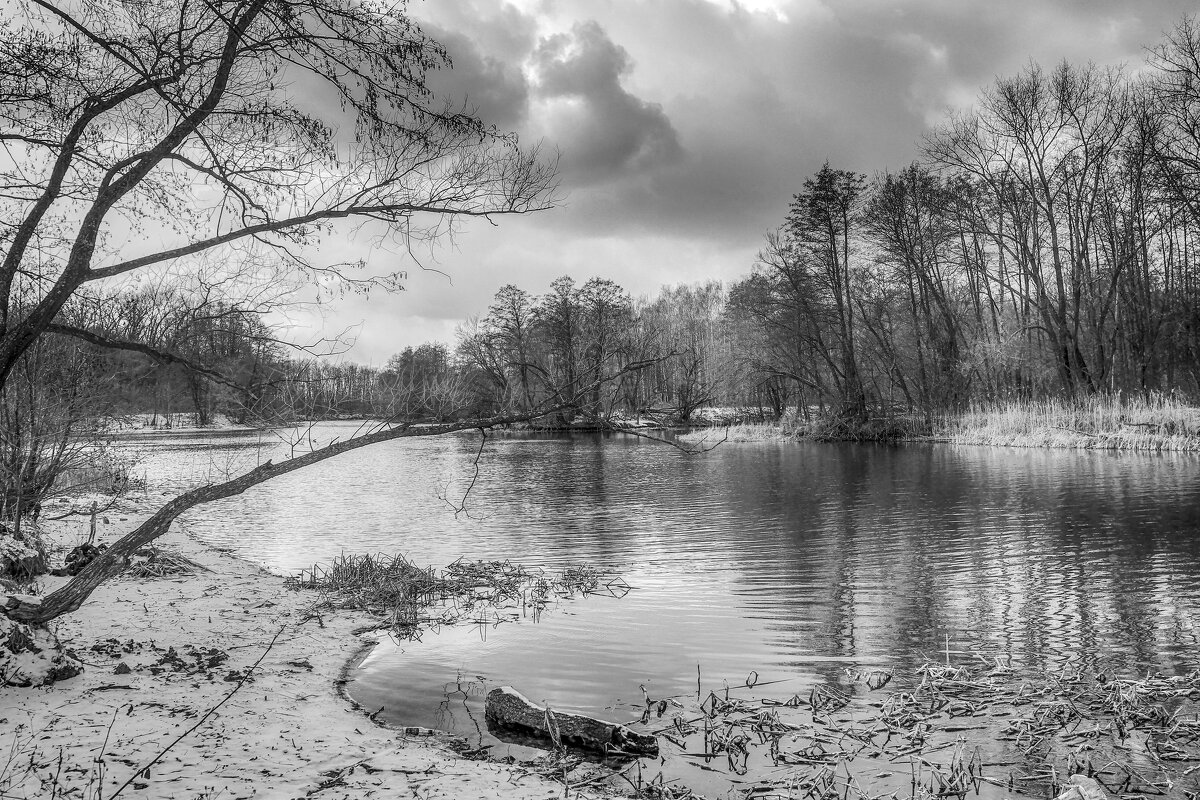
(508, 708)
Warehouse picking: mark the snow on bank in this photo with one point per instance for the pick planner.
(138, 423)
(752, 432)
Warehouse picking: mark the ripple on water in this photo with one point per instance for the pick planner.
(792, 560)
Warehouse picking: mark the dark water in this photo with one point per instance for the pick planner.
(793, 561)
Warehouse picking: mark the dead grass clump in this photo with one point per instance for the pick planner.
(485, 592)
(155, 562)
(740, 433)
(785, 430)
(877, 428)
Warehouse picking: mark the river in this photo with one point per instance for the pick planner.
(791, 562)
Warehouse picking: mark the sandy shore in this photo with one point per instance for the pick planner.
(188, 641)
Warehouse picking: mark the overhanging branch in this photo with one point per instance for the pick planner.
(291, 224)
(159, 355)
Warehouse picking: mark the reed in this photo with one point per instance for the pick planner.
(409, 597)
(1104, 422)
(928, 738)
(758, 432)
(889, 427)
(1154, 423)
(157, 562)
(788, 429)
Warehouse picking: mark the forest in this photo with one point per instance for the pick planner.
(1045, 245)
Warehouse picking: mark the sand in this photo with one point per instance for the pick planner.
(287, 732)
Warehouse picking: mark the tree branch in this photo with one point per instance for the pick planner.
(161, 356)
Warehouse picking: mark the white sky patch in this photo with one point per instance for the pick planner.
(778, 9)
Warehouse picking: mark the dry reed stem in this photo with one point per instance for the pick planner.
(484, 592)
(1156, 423)
(1135, 735)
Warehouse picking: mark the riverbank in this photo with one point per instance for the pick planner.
(1156, 425)
(162, 654)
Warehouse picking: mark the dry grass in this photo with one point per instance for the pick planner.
(946, 732)
(895, 428)
(885, 428)
(744, 432)
(410, 598)
(1159, 423)
(157, 562)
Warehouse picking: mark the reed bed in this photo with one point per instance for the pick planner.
(946, 732)
(1156, 423)
(892, 428)
(887, 427)
(411, 598)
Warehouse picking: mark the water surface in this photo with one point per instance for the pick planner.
(793, 561)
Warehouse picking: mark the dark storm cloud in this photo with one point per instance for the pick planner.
(497, 92)
(969, 44)
(701, 118)
(487, 74)
(759, 101)
(606, 132)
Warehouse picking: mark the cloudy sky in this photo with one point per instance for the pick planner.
(685, 126)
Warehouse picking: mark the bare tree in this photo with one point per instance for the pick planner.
(559, 317)
(1175, 86)
(149, 133)
(509, 326)
(242, 125)
(1042, 147)
(908, 221)
(50, 415)
(822, 222)
(687, 320)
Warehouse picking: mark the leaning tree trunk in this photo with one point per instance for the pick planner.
(39, 610)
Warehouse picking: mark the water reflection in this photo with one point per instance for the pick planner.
(792, 560)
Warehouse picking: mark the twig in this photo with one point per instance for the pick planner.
(461, 508)
(203, 719)
(690, 450)
(103, 747)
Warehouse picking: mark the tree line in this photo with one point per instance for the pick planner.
(1044, 245)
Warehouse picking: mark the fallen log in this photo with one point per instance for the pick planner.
(508, 708)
